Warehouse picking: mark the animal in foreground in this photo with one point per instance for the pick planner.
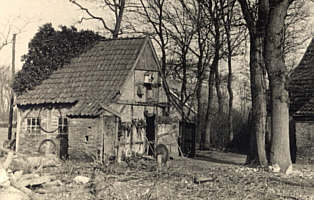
(161, 154)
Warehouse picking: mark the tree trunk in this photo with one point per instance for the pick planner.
(11, 111)
(10, 126)
(119, 16)
(280, 149)
(199, 132)
(208, 120)
(184, 81)
(200, 71)
(229, 86)
(258, 93)
(252, 155)
(277, 71)
(218, 90)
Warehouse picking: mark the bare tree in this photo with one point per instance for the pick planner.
(7, 37)
(296, 32)
(181, 32)
(266, 26)
(277, 72)
(234, 36)
(5, 90)
(116, 8)
(255, 17)
(153, 15)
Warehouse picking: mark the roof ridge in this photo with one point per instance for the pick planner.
(123, 38)
(301, 65)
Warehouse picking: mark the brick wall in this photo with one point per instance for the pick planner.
(29, 142)
(305, 139)
(84, 138)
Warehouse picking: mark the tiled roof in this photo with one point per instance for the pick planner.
(307, 109)
(96, 75)
(301, 84)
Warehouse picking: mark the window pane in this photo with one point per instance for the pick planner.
(63, 125)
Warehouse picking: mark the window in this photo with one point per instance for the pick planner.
(33, 125)
(63, 125)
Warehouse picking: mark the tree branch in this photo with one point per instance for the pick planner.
(92, 16)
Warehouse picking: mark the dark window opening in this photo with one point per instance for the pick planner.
(63, 125)
(86, 138)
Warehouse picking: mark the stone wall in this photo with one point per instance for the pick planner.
(305, 139)
(168, 134)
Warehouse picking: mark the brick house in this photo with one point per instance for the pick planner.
(107, 100)
(301, 90)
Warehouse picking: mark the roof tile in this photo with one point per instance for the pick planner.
(301, 84)
(95, 74)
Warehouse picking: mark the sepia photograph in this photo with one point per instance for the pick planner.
(157, 100)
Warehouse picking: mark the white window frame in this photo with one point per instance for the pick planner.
(33, 125)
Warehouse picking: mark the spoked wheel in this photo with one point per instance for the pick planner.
(47, 146)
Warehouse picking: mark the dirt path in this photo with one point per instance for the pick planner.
(221, 157)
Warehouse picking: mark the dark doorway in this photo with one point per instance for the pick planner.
(63, 130)
(150, 133)
(187, 139)
(63, 146)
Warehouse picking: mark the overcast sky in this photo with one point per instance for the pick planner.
(28, 15)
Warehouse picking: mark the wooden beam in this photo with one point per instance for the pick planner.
(304, 118)
(136, 103)
(115, 113)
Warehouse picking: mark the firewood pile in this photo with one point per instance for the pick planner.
(19, 176)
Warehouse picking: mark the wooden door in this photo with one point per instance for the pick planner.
(187, 138)
(150, 133)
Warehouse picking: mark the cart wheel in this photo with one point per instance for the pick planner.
(47, 146)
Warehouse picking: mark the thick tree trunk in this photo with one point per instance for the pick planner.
(258, 93)
(252, 155)
(277, 71)
(209, 113)
(257, 28)
(200, 136)
(280, 148)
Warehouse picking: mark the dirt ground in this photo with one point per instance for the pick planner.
(210, 175)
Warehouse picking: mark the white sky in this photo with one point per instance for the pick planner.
(29, 15)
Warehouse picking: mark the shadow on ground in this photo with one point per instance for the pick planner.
(221, 157)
